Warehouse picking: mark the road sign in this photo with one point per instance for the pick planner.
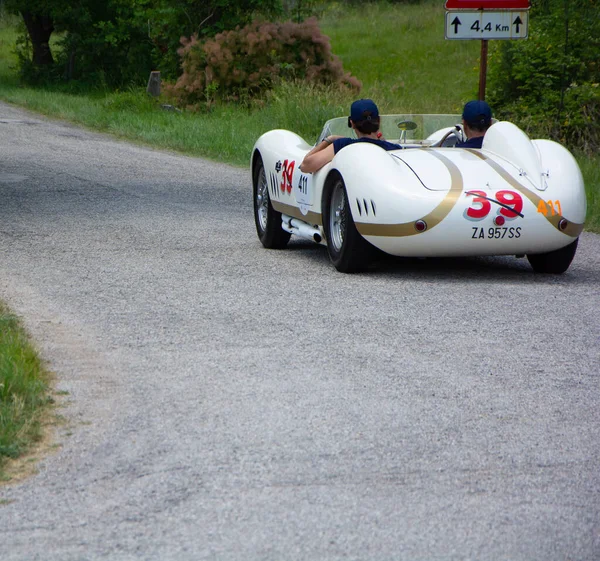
(487, 4)
(487, 25)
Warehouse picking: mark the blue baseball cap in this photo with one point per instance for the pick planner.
(363, 109)
(477, 112)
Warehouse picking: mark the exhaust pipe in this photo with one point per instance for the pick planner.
(299, 228)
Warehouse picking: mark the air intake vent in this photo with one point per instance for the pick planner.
(366, 208)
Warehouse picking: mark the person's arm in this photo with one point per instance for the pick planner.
(320, 155)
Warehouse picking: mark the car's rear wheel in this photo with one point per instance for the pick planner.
(348, 250)
(553, 262)
(266, 218)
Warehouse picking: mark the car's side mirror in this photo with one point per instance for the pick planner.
(406, 126)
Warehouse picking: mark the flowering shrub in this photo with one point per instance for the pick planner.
(244, 63)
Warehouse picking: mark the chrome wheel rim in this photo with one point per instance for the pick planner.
(337, 217)
(262, 200)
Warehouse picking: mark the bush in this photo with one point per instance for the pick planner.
(108, 47)
(169, 20)
(549, 84)
(245, 63)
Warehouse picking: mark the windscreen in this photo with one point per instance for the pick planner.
(402, 128)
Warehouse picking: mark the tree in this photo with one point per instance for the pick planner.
(39, 19)
(39, 27)
(119, 41)
(549, 83)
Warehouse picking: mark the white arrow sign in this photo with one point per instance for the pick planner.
(487, 25)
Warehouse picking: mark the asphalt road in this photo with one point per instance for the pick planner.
(232, 403)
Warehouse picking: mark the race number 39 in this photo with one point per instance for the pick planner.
(509, 204)
(287, 174)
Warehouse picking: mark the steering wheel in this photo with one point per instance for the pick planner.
(456, 132)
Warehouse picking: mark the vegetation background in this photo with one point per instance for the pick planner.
(89, 63)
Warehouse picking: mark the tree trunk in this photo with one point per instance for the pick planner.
(39, 28)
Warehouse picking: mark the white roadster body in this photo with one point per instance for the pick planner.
(514, 196)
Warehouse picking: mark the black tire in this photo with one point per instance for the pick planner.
(348, 250)
(266, 218)
(553, 262)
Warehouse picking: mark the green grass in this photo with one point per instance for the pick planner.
(400, 54)
(590, 168)
(24, 385)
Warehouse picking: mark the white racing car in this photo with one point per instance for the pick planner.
(514, 196)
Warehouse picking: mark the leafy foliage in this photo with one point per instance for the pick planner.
(243, 63)
(101, 43)
(169, 20)
(550, 83)
(106, 43)
(117, 42)
(299, 10)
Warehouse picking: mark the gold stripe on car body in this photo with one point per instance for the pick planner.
(572, 229)
(432, 219)
(310, 217)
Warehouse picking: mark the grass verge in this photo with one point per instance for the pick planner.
(25, 402)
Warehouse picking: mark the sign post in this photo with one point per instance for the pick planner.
(484, 20)
(483, 68)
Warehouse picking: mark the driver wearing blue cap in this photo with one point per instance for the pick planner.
(477, 119)
(364, 119)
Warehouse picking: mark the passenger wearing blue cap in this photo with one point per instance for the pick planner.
(477, 119)
(364, 119)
